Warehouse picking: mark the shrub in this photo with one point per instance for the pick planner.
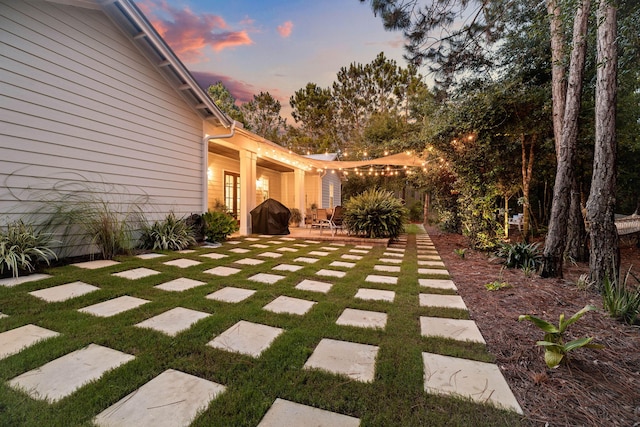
(375, 213)
(22, 246)
(296, 216)
(526, 256)
(218, 225)
(620, 300)
(170, 234)
(416, 212)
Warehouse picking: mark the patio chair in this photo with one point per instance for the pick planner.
(321, 220)
(335, 222)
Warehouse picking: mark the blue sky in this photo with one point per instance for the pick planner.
(274, 46)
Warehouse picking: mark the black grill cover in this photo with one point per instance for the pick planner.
(270, 217)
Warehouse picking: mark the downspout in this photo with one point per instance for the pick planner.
(205, 163)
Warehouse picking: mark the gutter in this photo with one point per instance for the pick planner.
(205, 163)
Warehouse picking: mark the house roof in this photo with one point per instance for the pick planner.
(128, 17)
(327, 157)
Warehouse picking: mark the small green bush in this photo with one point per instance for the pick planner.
(22, 246)
(170, 234)
(375, 214)
(621, 300)
(526, 256)
(218, 225)
(416, 212)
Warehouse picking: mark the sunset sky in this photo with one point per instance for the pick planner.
(274, 46)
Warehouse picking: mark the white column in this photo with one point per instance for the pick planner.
(298, 193)
(247, 189)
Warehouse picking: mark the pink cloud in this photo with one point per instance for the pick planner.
(285, 29)
(241, 91)
(189, 33)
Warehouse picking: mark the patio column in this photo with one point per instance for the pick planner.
(247, 189)
(298, 195)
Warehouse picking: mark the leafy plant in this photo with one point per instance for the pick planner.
(496, 285)
(169, 234)
(555, 349)
(218, 225)
(296, 216)
(520, 255)
(460, 252)
(584, 283)
(620, 300)
(22, 246)
(375, 213)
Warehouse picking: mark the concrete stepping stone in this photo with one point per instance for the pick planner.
(269, 255)
(306, 260)
(329, 248)
(457, 329)
(136, 273)
(174, 321)
(438, 284)
(182, 263)
(391, 260)
(287, 249)
(351, 257)
(362, 318)
(61, 377)
(249, 261)
(15, 340)
(429, 264)
(433, 271)
(482, 382)
(186, 251)
(114, 306)
(287, 267)
(387, 268)
(448, 301)
(393, 254)
(374, 278)
(214, 255)
(239, 250)
(342, 264)
(356, 361)
(331, 273)
(375, 295)
(246, 338)
(286, 413)
(287, 239)
(275, 242)
(14, 281)
(267, 278)
(314, 286)
(429, 257)
(311, 242)
(301, 245)
(342, 245)
(93, 265)
(284, 304)
(265, 236)
(233, 242)
(173, 398)
(358, 251)
(180, 284)
(222, 271)
(364, 247)
(254, 239)
(394, 249)
(318, 253)
(64, 292)
(259, 246)
(231, 294)
(150, 256)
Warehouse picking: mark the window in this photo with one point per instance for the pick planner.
(232, 193)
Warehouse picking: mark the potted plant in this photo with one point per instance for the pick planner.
(296, 217)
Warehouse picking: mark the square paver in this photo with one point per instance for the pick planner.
(374, 278)
(338, 244)
(270, 255)
(180, 284)
(182, 263)
(306, 260)
(249, 261)
(136, 273)
(391, 249)
(312, 242)
(150, 256)
(174, 321)
(318, 253)
(231, 294)
(259, 246)
(114, 306)
(448, 301)
(276, 242)
(391, 260)
(61, 377)
(287, 239)
(14, 281)
(362, 318)
(329, 248)
(358, 251)
(301, 245)
(314, 286)
(331, 273)
(214, 255)
(438, 284)
(342, 264)
(364, 247)
(375, 295)
(393, 254)
(267, 278)
(433, 271)
(15, 340)
(222, 271)
(387, 268)
(284, 304)
(93, 265)
(233, 242)
(356, 361)
(239, 250)
(287, 249)
(64, 292)
(286, 413)
(246, 338)
(287, 267)
(428, 263)
(173, 398)
(479, 381)
(351, 257)
(457, 329)
(253, 239)
(429, 257)
(186, 251)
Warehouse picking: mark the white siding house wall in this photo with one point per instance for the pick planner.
(218, 165)
(327, 180)
(83, 109)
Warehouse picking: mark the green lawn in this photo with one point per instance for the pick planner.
(395, 398)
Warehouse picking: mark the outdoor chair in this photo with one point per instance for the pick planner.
(335, 222)
(321, 220)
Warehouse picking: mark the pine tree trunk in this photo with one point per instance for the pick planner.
(527, 172)
(576, 233)
(555, 242)
(558, 86)
(604, 254)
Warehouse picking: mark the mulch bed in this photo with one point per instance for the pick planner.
(596, 387)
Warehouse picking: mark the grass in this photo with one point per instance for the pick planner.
(396, 397)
